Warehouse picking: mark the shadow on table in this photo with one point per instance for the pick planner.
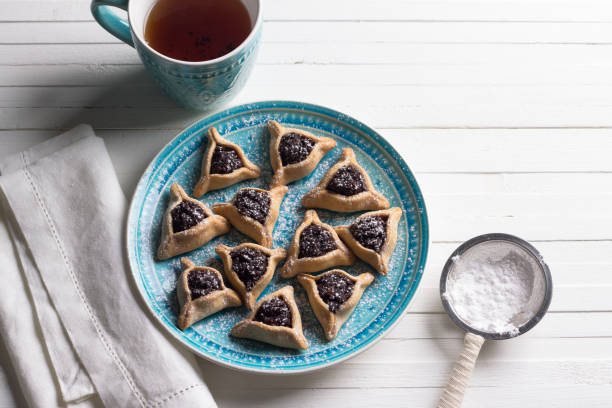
(122, 104)
(439, 331)
(235, 388)
(124, 99)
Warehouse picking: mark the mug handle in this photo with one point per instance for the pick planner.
(111, 22)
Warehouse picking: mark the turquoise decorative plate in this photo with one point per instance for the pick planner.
(382, 304)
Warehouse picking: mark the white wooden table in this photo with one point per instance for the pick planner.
(502, 108)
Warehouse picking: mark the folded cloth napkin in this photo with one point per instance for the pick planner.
(73, 325)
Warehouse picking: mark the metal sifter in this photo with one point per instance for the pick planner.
(478, 249)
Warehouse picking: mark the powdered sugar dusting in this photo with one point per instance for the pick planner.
(495, 287)
(249, 131)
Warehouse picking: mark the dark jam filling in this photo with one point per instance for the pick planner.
(186, 215)
(249, 264)
(335, 289)
(202, 282)
(315, 241)
(274, 312)
(347, 181)
(224, 160)
(371, 232)
(253, 203)
(294, 148)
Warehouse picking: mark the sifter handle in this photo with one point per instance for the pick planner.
(462, 371)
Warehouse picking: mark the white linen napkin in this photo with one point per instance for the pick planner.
(71, 320)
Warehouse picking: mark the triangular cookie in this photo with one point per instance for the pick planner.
(333, 296)
(188, 224)
(249, 268)
(223, 164)
(372, 237)
(201, 293)
(315, 246)
(276, 320)
(346, 187)
(253, 212)
(295, 153)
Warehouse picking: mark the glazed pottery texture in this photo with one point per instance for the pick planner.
(205, 85)
(383, 302)
(202, 87)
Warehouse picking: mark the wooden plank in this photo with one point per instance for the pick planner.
(29, 54)
(422, 373)
(441, 10)
(505, 150)
(280, 75)
(562, 325)
(524, 177)
(526, 397)
(343, 32)
(503, 396)
(378, 116)
(454, 10)
(413, 54)
(101, 118)
(432, 32)
(406, 95)
(518, 349)
(333, 53)
(534, 216)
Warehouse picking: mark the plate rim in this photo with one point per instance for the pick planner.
(318, 109)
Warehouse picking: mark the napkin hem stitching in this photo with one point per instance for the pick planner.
(75, 282)
(175, 394)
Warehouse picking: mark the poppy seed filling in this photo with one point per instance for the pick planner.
(249, 264)
(274, 312)
(224, 160)
(335, 289)
(186, 215)
(294, 148)
(253, 203)
(315, 241)
(347, 181)
(371, 232)
(201, 282)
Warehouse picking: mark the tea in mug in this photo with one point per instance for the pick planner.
(197, 30)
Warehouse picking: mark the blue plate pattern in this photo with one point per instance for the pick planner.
(179, 161)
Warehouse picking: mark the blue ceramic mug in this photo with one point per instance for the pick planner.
(196, 85)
